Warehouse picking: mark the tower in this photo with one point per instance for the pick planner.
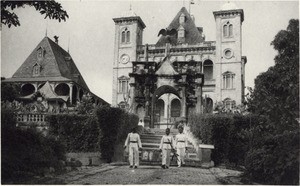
(229, 60)
(128, 36)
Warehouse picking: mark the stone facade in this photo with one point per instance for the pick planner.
(181, 73)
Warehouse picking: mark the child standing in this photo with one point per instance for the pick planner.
(166, 145)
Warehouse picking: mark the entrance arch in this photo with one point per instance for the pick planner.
(157, 93)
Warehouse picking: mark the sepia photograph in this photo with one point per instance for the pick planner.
(159, 92)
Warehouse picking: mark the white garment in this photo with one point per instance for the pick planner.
(181, 144)
(133, 142)
(166, 142)
(141, 124)
(180, 140)
(166, 145)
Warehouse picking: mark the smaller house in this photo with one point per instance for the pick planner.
(50, 82)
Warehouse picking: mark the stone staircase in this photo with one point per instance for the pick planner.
(150, 154)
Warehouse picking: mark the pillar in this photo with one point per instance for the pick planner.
(71, 92)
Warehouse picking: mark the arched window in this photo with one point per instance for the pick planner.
(128, 36)
(228, 30)
(123, 37)
(175, 108)
(36, 70)
(208, 69)
(225, 30)
(228, 80)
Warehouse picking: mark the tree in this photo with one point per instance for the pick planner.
(9, 92)
(276, 91)
(50, 8)
(273, 157)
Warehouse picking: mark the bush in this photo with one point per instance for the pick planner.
(226, 133)
(275, 162)
(115, 124)
(79, 133)
(26, 152)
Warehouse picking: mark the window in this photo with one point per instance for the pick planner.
(229, 103)
(40, 53)
(228, 80)
(123, 84)
(181, 19)
(228, 30)
(125, 36)
(36, 70)
(208, 69)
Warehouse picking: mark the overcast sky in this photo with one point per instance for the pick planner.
(90, 30)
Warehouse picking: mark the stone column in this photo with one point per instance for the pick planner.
(132, 95)
(71, 92)
(199, 99)
(183, 99)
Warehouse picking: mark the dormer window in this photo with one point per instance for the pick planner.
(228, 30)
(181, 19)
(36, 70)
(40, 53)
(125, 36)
(181, 32)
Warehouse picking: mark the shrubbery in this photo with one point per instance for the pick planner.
(226, 133)
(101, 131)
(115, 124)
(26, 152)
(79, 133)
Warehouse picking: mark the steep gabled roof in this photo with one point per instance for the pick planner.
(56, 62)
(192, 34)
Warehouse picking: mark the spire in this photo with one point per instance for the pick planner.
(46, 29)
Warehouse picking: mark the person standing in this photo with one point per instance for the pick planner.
(166, 144)
(181, 146)
(134, 144)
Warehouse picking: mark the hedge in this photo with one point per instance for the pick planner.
(79, 133)
(26, 152)
(115, 124)
(226, 132)
(102, 131)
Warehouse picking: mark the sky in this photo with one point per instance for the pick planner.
(89, 33)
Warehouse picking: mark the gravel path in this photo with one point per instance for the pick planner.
(109, 174)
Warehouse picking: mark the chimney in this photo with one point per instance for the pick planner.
(56, 39)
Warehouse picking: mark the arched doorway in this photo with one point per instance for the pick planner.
(159, 112)
(165, 89)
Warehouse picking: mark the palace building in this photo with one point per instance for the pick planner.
(49, 82)
(182, 72)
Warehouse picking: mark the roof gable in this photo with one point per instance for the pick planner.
(54, 62)
(192, 34)
(166, 68)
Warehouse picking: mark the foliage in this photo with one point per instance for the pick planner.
(79, 133)
(274, 154)
(276, 92)
(276, 161)
(226, 133)
(9, 92)
(51, 9)
(26, 152)
(115, 124)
